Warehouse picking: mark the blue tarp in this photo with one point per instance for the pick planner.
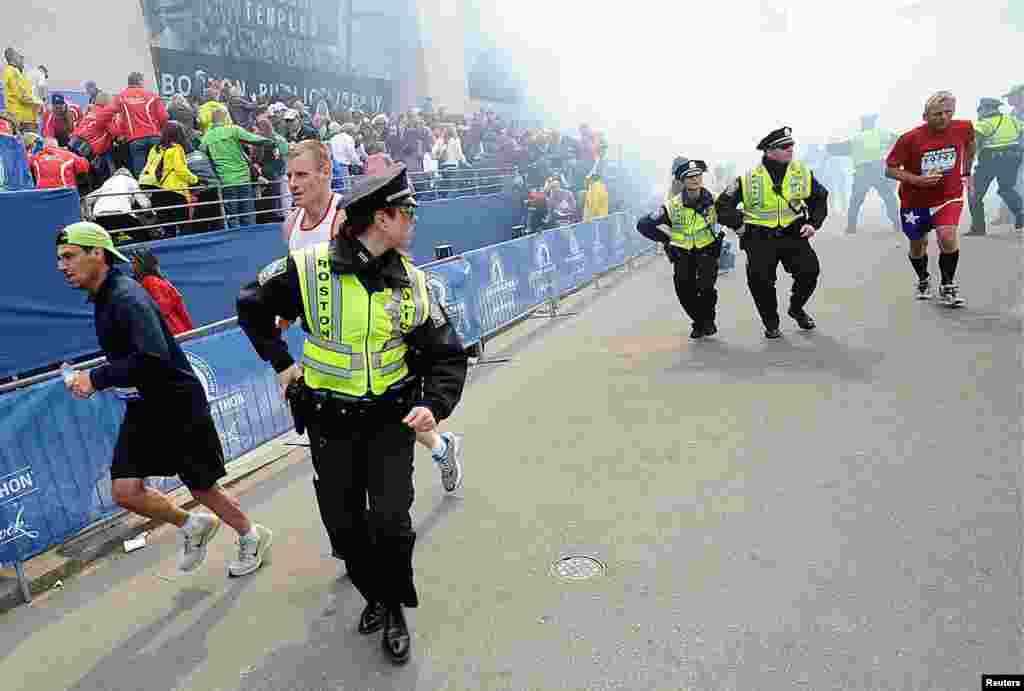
(15, 174)
(44, 321)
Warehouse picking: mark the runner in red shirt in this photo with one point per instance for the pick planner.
(933, 164)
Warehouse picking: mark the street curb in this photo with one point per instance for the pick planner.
(96, 542)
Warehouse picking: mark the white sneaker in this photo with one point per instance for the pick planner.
(949, 293)
(450, 464)
(195, 542)
(252, 553)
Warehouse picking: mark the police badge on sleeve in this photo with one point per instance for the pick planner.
(437, 314)
(274, 268)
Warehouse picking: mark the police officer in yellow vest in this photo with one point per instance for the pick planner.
(999, 157)
(868, 149)
(686, 223)
(364, 306)
(783, 207)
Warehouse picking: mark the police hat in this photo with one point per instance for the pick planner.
(390, 188)
(677, 162)
(1015, 90)
(691, 169)
(988, 105)
(779, 137)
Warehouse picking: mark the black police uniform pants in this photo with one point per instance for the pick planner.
(764, 252)
(1003, 168)
(694, 275)
(363, 484)
(865, 179)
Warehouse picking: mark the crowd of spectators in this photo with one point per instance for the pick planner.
(148, 167)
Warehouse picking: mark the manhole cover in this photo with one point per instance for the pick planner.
(577, 568)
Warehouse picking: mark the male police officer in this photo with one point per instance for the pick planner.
(867, 149)
(687, 221)
(365, 307)
(999, 156)
(783, 207)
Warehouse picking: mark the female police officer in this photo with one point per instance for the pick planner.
(368, 307)
(693, 243)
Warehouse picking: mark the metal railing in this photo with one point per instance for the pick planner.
(267, 199)
(205, 330)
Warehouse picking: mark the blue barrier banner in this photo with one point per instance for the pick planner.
(451, 283)
(504, 285)
(44, 321)
(55, 450)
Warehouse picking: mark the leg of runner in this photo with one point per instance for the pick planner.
(919, 260)
(446, 450)
(948, 236)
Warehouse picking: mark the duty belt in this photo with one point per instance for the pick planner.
(330, 403)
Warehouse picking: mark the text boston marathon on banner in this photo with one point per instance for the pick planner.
(285, 49)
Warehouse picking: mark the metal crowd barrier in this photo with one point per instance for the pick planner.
(270, 200)
(55, 450)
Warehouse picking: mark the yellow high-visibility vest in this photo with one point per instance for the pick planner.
(356, 345)
(690, 228)
(763, 207)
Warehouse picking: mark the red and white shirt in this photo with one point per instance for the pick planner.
(56, 167)
(921, 151)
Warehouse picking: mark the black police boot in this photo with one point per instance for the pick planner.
(697, 331)
(710, 329)
(772, 332)
(372, 618)
(396, 641)
(802, 318)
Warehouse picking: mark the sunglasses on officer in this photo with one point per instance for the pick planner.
(407, 210)
(783, 147)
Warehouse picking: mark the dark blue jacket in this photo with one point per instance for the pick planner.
(141, 351)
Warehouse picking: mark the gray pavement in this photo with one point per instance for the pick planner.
(838, 509)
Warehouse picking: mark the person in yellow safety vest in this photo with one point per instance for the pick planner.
(784, 205)
(999, 138)
(596, 204)
(687, 224)
(358, 390)
(867, 149)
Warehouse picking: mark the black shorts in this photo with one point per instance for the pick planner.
(153, 443)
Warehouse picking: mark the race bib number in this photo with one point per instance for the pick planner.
(942, 160)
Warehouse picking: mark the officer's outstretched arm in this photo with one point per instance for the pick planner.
(442, 362)
(727, 206)
(648, 225)
(817, 204)
(275, 293)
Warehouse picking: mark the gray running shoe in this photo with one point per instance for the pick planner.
(450, 464)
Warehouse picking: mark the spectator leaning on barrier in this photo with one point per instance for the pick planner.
(145, 116)
(167, 171)
(146, 268)
(20, 100)
(114, 204)
(223, 144)
(93, 141)
(273, 163)
(179, 109)
(343, 147)
(57, 167)
(59, 121)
